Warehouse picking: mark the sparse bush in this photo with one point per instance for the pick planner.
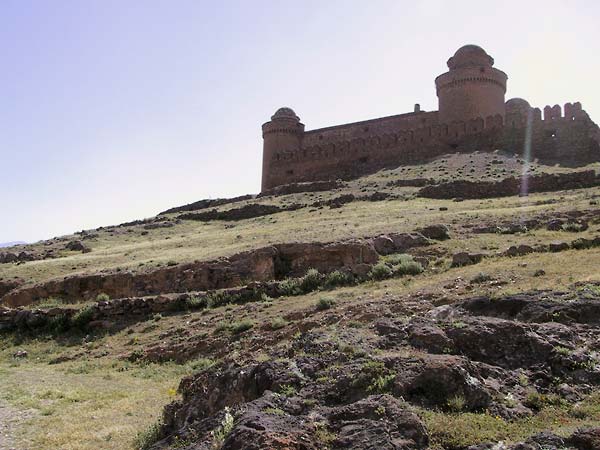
(102, 297)
(221, 433)
(287, 390)
(146, 438)
(398, 258)
(481, 277)
(217, 298)
(337, 278)
(582, 244)
(382, 384)
(221, 327)
(538, 401)
(564, 351)
(82, 317)
(380, 271)
(456, 403)
(408, 268)
(323, 434)
(194, 302)
(290, 286)
(395, 265)
(58, 324)
(324, 303)
(241, 326)
(311, 281)
(278, 323)
(573, 227)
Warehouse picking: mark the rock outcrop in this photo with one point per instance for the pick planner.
(511, 186)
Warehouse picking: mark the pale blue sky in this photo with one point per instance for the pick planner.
(113, 110)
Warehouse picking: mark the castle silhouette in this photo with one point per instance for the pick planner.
(472, 115)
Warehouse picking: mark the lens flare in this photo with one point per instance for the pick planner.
(526, 156)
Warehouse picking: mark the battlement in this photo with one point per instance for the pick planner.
(472, 85)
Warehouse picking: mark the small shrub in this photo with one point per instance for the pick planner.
(380, 271)
(59, 324)
(241, 326)
(581, 244)
(337, 278)
(456, 403)
(82, 317)
(195, 303)
(275, 411)
(287, 390)
(323, 434)
(146, 438)
(102, 297)
(290, 287)
(324, 303)
(221, 433)
(311, 281)
(200, 365)
(278, 323)
(219, 298)
(481, 277)
(408, 268)
(573, 227)
(538, 401)
(375, 378)
(398, 258)
(564, 351)
(221, 327)
(382, 384)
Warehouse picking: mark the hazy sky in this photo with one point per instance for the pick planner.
(113, 110)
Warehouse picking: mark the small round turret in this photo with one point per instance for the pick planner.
(283, 133)
(517, 105)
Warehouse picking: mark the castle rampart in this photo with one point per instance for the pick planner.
(351, 150)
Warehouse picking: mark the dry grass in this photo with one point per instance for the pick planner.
(84, 404)
(98, 400)
(189, 241)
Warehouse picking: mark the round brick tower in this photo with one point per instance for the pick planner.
(472, 88)
(282, 133)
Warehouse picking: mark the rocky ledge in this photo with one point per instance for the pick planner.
(374, 387)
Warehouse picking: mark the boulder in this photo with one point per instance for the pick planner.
(558, 246)
(437, 232)
(585, 439)
(518, 250)
(384, 245)
(466, 259)
(377, 422)
(406, 241)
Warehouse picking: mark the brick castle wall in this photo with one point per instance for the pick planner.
(472, 116)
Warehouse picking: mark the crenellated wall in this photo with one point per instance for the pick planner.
(352, 150)
(569, 139)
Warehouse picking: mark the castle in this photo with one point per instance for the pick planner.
(472, 115)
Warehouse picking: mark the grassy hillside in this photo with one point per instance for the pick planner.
(106, 386)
